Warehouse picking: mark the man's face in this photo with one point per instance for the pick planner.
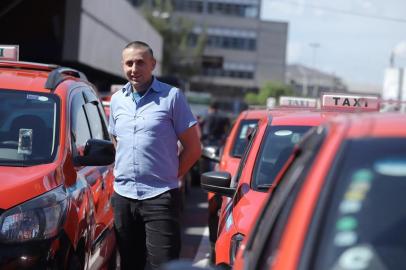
(138, 65)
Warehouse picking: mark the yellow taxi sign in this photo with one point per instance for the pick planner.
(9, 52)
(297, 102)
(349, 102)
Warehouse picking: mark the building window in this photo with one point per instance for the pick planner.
(195, 6)
(233, 9)
(231, 70)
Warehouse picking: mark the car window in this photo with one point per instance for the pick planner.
(365, 217)
(240, 141)
(267, 233)
(276, 147)
(79, 124)
(29, 127)
(244, 158)
(94, 113)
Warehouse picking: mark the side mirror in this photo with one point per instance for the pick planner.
(211, 153)
(217, 182)
(96, 153)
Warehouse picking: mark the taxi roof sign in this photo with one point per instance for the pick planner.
(349, 102)
(300, 102)
(9, 52)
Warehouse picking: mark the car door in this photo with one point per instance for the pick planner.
(89, 123)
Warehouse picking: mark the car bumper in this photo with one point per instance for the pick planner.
(43, 254)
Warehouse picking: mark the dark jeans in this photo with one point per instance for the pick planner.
(147, 228)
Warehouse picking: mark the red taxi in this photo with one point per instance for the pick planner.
(339, 202)
(232, 152)
(269, 148)
(55, 168)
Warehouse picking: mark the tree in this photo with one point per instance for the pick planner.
(270, 89)
(179, 59)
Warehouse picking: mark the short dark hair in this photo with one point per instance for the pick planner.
(139, 45)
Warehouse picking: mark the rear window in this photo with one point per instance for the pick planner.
(29, 128)
(240, 142)
(277, 145)
(365, 220)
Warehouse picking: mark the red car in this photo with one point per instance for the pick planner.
(232, 152)
(338, 204)
(55, 168)
(268, 150)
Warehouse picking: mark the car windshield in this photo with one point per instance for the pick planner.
(28, 128)
(366, 219)
(240, 142)
(276, 148)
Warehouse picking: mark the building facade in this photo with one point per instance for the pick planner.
(309, 82)
(85, 34)
(242, 51)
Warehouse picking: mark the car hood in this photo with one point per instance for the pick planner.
(19, 184)
(246, 210)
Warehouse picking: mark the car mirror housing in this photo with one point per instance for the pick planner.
(96, 153)
(217, 182)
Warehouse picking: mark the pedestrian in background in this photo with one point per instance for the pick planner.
(214, 126)
(147, 118)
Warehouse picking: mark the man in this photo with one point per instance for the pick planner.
(147, 118)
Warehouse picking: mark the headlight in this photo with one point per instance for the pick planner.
(235, 245)
(39, 218)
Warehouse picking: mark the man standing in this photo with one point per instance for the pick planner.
(147, 119)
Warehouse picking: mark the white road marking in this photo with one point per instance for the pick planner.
(202, 258)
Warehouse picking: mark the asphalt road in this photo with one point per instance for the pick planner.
(195, 241)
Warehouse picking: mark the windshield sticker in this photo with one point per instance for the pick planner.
(36, 97)
(356, 258)
(362, 175)
(354, 195)
(347, 238)
(348, 207)
(346, 224)
(391, 167)
(25, 141)
(283, 132)
(352, 204)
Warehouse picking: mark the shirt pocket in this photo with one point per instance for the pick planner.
(124, 124)
(156, 125)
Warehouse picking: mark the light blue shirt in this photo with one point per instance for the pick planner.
(147, 130)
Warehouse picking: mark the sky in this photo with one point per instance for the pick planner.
(352, 39)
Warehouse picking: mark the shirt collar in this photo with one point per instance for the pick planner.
(127, 89)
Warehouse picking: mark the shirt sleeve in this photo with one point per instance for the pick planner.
(112, 125)
(183, 117)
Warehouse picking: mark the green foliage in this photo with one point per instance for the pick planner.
(178, 58)
(251, 99)
(270, 89)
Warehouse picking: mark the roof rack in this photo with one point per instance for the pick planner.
(57, 76)
(27, 65)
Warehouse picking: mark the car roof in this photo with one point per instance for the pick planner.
(253, 114)
(374, 125)
(13, 75)
(298, 117)
(31, 76)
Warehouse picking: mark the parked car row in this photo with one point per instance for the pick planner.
(273, 170)
(338, 201)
